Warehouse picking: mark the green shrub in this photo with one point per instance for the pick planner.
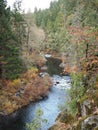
(76, 91)
(37, 122)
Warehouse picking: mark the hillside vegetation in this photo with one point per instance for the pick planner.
(31, 51)
(70, 32)
(71, 28)
(20, 39)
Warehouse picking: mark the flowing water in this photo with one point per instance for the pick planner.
(50, 106)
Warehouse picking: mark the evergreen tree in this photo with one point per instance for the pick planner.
(10, 61)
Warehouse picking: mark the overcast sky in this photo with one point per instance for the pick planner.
(31, 4)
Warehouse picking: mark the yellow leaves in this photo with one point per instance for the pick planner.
(14, 106)
(7, 105)
(20, 92)
(14, 84)
(33, 70)
(30, 74)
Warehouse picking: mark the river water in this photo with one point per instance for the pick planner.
(50, 106)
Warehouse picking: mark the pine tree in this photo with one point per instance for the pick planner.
(10, 45)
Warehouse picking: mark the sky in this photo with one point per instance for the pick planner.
(29, 5)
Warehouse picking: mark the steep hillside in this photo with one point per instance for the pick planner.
(72, 30)
(20, 45)
(31, 50)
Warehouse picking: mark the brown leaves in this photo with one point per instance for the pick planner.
(68, 70)
(20, 92)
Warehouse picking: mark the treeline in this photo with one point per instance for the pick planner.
(61, 12)
(71, 28)
(62, 16)
(12, 35)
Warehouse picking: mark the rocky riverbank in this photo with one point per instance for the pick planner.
(86, 117)
(20, 92)
(32, 85)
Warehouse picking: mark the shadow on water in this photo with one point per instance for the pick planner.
(57, 96)
(53, 66)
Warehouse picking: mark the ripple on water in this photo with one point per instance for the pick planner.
(61, 82)
(50, 106)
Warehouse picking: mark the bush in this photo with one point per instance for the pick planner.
(37, 122)
(76, 91)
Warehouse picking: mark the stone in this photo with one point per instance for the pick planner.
(43, 69)
(47, 55)
(90, 123)
(86, 108)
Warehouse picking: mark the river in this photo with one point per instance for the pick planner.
(50, 106)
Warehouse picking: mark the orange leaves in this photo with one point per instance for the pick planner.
(75, 31)
(29, 91)
(37, 87)
(69, 70)
(14, 84)
(95, 61)
(8, 105)
(81, 34)
(30, 74)
(19, 92)
(84, 43)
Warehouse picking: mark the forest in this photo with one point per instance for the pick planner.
(72, 30)
(68, 29)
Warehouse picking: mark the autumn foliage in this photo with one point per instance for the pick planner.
(19, 92)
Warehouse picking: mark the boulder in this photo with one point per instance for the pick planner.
(43, 69)
(90, 123)
(85, 108)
